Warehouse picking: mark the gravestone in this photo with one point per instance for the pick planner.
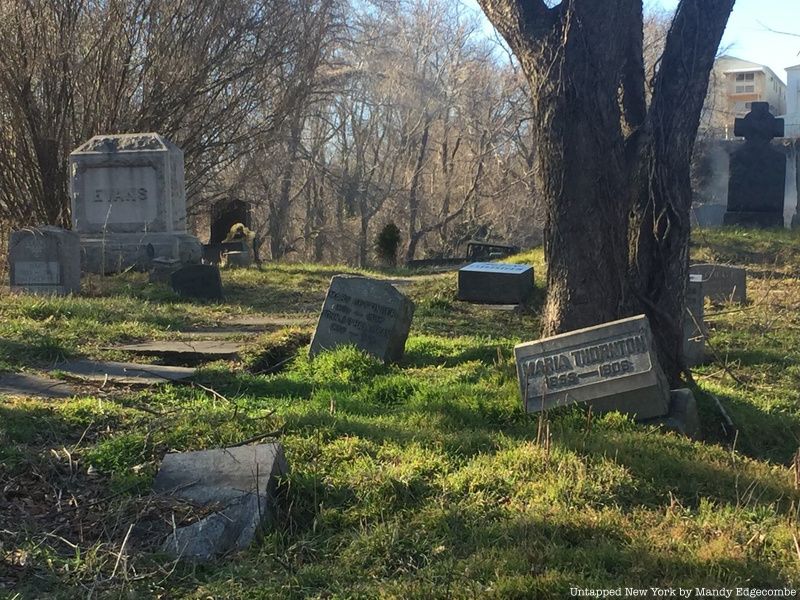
(495, 283)
(612, 366)
(367, 313)
(45, 260)
(722, 283)
(202, 282)
(756, 188)
(694, 341)
(683, 417)
(241, 481)
(161, 269)
(225, 215)
(129, 202)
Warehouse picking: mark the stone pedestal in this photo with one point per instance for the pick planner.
(129, 202)
(44, 260)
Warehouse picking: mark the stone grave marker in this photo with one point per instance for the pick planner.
(495, 283)
(202, 282)
(33, 386)
(756, 187)
(45, 260)
(123, 373)
(694, 342)
(611, 366)
(722, 283)
(240, 480)
(367, 313)
(129, 202)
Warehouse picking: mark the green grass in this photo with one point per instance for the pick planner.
(418, 480)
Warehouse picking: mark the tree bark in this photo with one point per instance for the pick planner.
(615, 175)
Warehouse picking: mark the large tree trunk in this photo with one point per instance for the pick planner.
(615, 175)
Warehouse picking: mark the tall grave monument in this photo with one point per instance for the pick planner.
(129, 202)
(756, 187)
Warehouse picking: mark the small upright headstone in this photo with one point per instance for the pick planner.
(612, 367)
(756, 188)
(45, 260)
(129, 202)
(495, 283)
(722, 283)
(694, 342)
(367, 313)
(202, 282)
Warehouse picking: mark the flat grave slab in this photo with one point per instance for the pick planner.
(125, 373)
(722, 283)
(201, 348)
(495, 283)
(610, 366)
(241, 481)
(367, 313)
(33, 386)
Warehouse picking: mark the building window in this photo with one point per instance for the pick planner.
(744, 89)
(745, 77)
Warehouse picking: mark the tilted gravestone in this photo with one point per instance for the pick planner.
(694, 341)
(45, 260)
(129, 202)
(612, 367)
(202, 282)
(241, 481)
(722, 283)
(367, 313)
(495, 283)
(756, 188)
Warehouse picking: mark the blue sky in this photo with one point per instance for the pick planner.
(748, 36)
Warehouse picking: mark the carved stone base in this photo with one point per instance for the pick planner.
(760, 220)
(116, 252)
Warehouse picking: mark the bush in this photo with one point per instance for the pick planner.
(387, 244)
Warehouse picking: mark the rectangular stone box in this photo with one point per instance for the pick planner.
(367, 313)
(45, 260)
(722, 283)
(612, 367)
(495, 283)
(694, 341)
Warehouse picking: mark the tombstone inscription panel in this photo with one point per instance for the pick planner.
(367, 313)
(611, 366)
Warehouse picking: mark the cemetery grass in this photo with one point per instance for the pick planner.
(419, 480)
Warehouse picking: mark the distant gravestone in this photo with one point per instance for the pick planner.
(367, 313)
(45, 260)
(722, 283)
(202, 282)
(694, 341)
(495, 283)
(129, 202)
(612, 367)
(239, 481)
(756, 188)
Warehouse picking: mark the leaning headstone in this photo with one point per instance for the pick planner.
(129, 202)
(756, 188)
(495, 283)
(367, 313)
(241, 481)
(612, 366)
(202, 282)
(722, 283)
(45, 260)
(694, 341)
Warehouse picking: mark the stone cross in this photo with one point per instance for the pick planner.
(758, 125)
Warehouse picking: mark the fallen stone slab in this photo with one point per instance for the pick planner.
(261, 321)
(126, 373)
(211, 349)
(241, 481)
(34, 386)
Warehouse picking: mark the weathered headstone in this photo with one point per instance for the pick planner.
(683, 417)
(367, 313)
(238, 259)
(756, 188)
(202, 282)
(240, 480)
(495, 283)
(722, 283)
(161, 269)
(694, 341)
(612, 366)
(45, 260)
(129, 202)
